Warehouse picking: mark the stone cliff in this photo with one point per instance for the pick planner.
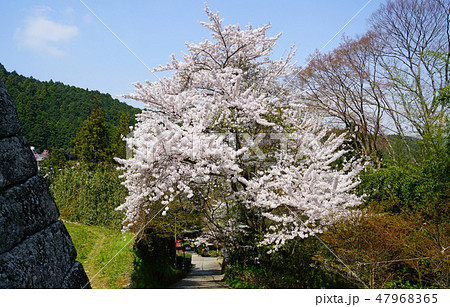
(36, 250)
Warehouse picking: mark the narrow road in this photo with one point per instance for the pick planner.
(204, 274)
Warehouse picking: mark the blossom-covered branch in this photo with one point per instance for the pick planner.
(224, 133)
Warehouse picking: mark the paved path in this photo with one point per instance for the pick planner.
(204, 274)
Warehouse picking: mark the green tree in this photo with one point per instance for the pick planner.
(118, 145)
(92, 141)
(54, 162)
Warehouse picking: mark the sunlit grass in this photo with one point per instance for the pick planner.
(96, 246)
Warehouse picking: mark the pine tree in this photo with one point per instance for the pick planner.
(92, 141)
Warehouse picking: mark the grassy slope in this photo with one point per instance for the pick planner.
(96, 246)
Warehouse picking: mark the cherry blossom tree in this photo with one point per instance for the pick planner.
(223, 134)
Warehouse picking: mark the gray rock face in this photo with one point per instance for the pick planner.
(40, 261)
(75, 279)
(36, 250)
(24, 210)
(17, 162)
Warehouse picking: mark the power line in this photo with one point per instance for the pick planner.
(129, 49)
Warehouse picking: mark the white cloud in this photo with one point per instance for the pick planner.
(44, 35)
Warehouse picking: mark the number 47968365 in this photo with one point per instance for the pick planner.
(407, 298)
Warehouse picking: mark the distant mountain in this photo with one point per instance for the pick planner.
(51, 113)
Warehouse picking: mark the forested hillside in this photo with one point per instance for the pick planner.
(51, 113)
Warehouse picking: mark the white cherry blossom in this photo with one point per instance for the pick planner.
(223, 131)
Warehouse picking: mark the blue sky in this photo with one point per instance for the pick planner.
(64, 41)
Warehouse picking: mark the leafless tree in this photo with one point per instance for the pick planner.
(342, 84)
(414, 41)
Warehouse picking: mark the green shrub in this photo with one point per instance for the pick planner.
(412, 189)
(184, 262)
(294, 266)
(389, 251)
(245, 277)
(89, 195)
(154, 262)
(408, 208)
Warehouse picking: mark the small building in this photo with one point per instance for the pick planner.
(39, 157)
